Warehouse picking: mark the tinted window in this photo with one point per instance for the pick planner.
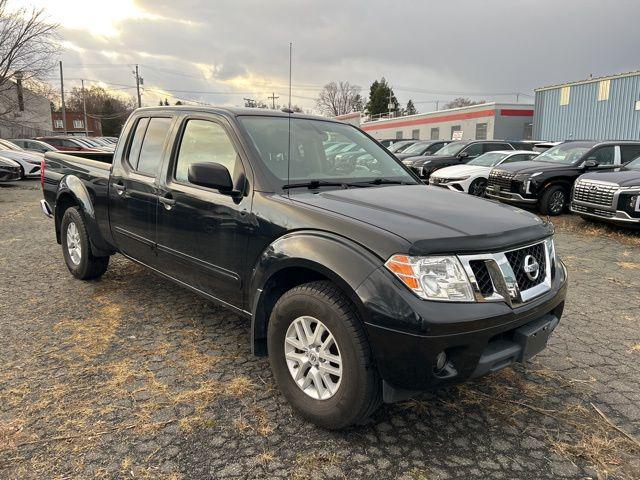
(70, 144)
(433, 148)
(517, 158)
(54, 141)
(152, 145)
(491, 147)
(604, 155)
(136, 142)
(473, 150)
(629, 152)
(204, 141)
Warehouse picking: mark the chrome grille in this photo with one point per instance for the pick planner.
(595, 193)
(501, 178)
(502, 277)
(595, 211)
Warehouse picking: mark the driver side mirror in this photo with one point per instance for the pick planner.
(463, 155)
(591, 163)
(211, 175)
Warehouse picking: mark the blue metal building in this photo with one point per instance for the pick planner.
(604, 108)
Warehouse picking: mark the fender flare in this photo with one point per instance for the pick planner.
(71, 185)
(341, 260)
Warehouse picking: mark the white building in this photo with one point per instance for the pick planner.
(487, 121)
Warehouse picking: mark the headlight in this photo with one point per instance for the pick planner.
(439, 278)
(455, 179)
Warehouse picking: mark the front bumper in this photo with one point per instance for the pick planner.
(509, 197)
(407, 333)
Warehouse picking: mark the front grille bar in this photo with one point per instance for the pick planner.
(503, 278)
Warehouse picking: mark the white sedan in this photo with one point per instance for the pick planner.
(471, 177)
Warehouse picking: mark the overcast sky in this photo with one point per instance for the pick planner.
(427, 50)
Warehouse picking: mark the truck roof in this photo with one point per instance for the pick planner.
(234, 111)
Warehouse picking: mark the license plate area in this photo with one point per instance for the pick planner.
(534, 336)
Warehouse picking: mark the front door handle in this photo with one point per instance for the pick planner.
(120, 188)
(168, 201)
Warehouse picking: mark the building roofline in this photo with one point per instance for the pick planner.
(450, 110)
(589, 80)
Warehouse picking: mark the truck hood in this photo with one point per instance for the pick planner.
(531, 166)
(625, 177)
(461, 170)
(431, 219)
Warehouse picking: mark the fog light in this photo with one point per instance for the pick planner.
(441, 361)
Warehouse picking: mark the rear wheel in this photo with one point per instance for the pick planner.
(478, 187)
(321, 358)
(76, 248)
(21, 172)
(553, 201)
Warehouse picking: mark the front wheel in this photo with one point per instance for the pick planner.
(478, 187)
(553, 201)
(76, 248)
(320, 356)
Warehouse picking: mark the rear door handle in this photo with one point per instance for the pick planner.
(120, 188)
(168, 201)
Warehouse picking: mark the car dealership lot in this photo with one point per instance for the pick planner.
(132, 375)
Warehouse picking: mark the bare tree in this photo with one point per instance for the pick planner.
(462, 102)
(338, 98)
(27, 52)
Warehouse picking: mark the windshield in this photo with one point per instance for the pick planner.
(490, 159)
(400, 146)
(633, 164)
(450, 150)
(309, 159)
(566, 153)
(416, 148)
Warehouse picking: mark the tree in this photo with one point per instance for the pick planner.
(27, 52)
(338, 98)
(111, 109)
(410, 109)
(462, 102)
(380, 96)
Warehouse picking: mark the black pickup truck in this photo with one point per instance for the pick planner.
(361, 284)
(546, 182)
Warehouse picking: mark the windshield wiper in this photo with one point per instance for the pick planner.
(313, 184)
(385, 181)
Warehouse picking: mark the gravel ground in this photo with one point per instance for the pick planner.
(132, 376)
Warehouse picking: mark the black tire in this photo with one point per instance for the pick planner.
(88, 267)
(21, 172)
(550, 203)
(359, 392)
(478, 187)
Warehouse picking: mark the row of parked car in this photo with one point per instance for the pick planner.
(20, 158)
(594, 179)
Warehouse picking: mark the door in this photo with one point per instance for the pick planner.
(202, 233)
(607, 156)
(133, 192)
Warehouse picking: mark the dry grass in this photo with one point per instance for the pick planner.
(310, 464)
(629, 265)
(574, 224)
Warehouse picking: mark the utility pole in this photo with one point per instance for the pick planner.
(64, 111)
(273, 99)
(84, 109)
(517, 98)
(139, 81)
(437, 104)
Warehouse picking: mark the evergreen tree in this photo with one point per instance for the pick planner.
(410, 109)
(380, 96)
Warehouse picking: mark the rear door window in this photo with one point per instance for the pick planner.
(153, 145)
(136, 142)
(493, 146)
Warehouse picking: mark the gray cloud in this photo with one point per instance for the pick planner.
(441, 48)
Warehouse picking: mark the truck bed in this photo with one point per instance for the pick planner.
(101, 160)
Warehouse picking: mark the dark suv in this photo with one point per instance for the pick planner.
(454, 154)
(547, 180)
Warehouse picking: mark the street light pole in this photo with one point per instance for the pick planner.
(64, 111)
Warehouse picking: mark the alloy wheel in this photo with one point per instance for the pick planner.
(73, 243)
(313, 357)
(556, 202)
